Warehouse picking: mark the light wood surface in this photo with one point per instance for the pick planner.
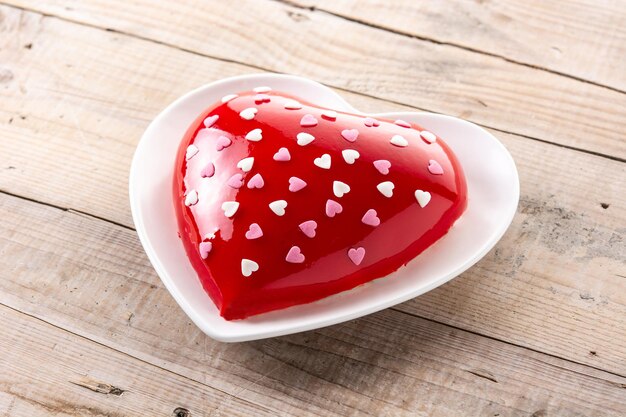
(538, 327)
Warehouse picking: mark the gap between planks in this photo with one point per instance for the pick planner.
(444, 43)
(98, 218)
(314, 9)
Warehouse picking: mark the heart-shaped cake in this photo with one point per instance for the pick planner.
(280, 202)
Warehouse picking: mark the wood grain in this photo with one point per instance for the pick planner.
(345, 54)
(91, 277)
(585, 39)
(554, 283)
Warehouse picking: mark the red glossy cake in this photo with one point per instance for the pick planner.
(281, 202)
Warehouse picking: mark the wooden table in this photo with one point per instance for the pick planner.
(537, 328)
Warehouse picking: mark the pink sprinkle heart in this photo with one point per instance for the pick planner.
(294, 255)
(332, 208)
(370, 121)
(402, 123)
(261, 98)
(222, 142)
(236, 181)
(308, 228)
(434, 167)
(210, 121)
(205, 248)
(296, 184)
(254, 232)
(356, 255)
(308, 120)
(208, 170)
(282, 155)
(256, 181)
(350, 134)
(382, 165)
(371, 218)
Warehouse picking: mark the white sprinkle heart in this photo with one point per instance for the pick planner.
(329, 114)
(340, 188)
(191, 198)
(399, 141)
(323, 161)
(262, 89)
(230, 208)
(386, 188)
(248, 267)
(246, 164)
(428, 136)
(402, 123)
(254, 135)
(229, 97)
(278, 207)
(304, 138)
(423, 197)
(350, 155)
(292, 105)
(249, 113)
(192, 150)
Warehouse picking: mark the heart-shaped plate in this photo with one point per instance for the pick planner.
(493, 194)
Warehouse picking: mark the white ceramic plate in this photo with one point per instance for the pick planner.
(493, 190)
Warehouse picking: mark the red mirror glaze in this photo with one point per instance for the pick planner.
(377, 232)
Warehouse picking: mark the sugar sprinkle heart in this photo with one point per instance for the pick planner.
(296, 184)
(236, 181)
(400, 141)
(254, 232)
(208, 171)
(262, 89)
(249, 113)
(428, 136)
(230, 208)
(248, 267)
(308, 228)
(282, 155)
(386, 188)
(323, 161)
(229, 97)
(340, 188)
(370, 218)
(278, 207)
(192, 150)
(261, 98)
(434, 167)
(256, 181)
(382, 165)
(204, 248)
(356, 255)
(304, 138)
(329, 114)
(295, 255)
(308, 120)
(402, 123)
(371, 122)
(210, 121)
(350, 134)
(333, 208)
(350, 155)
(422, 197)
(246, 164)
(292, 105)
(222, 142)
(254, 135)
(191, 198)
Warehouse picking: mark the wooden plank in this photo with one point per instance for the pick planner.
(46, 371)
(483, 89)
(585, 39)
(79, 135)
(91, 277)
